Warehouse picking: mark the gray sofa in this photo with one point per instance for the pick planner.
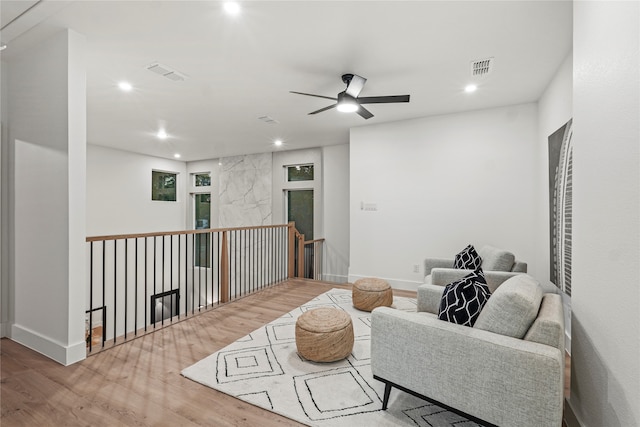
(507, 370)
(494, 260)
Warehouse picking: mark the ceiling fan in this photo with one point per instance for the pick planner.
(348, 100)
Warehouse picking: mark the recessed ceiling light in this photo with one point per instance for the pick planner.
(470, 88)
(277, 142)
(162, 134)
(177, 156)
(3, 47)
(125, 86)
(232, 8)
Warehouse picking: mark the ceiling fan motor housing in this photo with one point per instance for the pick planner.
(346, 78)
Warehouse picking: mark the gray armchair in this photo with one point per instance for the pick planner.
(507, 370)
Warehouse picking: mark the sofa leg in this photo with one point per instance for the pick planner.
(387, 390)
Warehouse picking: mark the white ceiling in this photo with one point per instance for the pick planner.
(240, 68)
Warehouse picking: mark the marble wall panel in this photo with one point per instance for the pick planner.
(245, 190)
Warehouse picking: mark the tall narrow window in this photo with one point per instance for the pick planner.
(202, 220)
(300, 210)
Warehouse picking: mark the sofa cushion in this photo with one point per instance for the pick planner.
(512, 308)
(494, 259)
(462, 300)
(468, 258)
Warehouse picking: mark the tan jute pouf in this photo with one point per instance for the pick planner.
(369, 293)
(324, 334)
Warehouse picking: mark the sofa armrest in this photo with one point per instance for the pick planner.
(429, 297)
(519, 266)
(431, 263)
(444, 276)
(502, 380)
(430, 293)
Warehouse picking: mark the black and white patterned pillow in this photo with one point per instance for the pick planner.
(463, 299)
(468, 259)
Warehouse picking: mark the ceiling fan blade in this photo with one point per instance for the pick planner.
(355, 85)
(323, 109)
(364, 113)
(317, 96)
(383, 99)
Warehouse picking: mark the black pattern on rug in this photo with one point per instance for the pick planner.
(265, 369)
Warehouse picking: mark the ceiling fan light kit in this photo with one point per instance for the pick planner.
(346, 103)
(348, 100)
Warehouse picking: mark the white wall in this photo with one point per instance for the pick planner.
(47, 139)
(605, 365)
(335, 164)
(121, 203)
(119, 193)
(439, 183)
(5, 307)
(555, 108)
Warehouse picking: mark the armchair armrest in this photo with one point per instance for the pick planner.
(429, 297)
(430, 294)
(431, 263)
(444, 276)
(502, 380)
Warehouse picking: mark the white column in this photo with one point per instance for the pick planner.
(47, 138)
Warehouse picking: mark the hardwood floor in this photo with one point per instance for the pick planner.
(139, 382)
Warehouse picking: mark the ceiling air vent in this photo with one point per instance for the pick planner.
(268, 120)
(481, 67)
(167, 72)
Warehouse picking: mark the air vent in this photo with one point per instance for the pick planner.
(167, 72)
(268, 120)
(481, 67)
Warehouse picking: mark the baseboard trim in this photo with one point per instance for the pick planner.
(5, 328)
(395, 283)
(570, 417)
(337, 278)
(65, 355)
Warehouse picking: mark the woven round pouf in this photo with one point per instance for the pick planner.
(370, 293)
(324, 334)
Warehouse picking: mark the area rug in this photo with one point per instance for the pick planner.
(264, 369)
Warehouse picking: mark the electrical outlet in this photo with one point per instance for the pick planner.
(416, 268)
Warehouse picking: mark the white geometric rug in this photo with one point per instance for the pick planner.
(264, 369)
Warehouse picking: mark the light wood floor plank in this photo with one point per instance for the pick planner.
(139, 382)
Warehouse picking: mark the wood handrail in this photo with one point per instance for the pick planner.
(176, 233)
(307, 242)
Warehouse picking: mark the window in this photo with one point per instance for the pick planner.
(300, 173)
(300, 210)
(163, 186)
(202, 219)
(202, 179)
